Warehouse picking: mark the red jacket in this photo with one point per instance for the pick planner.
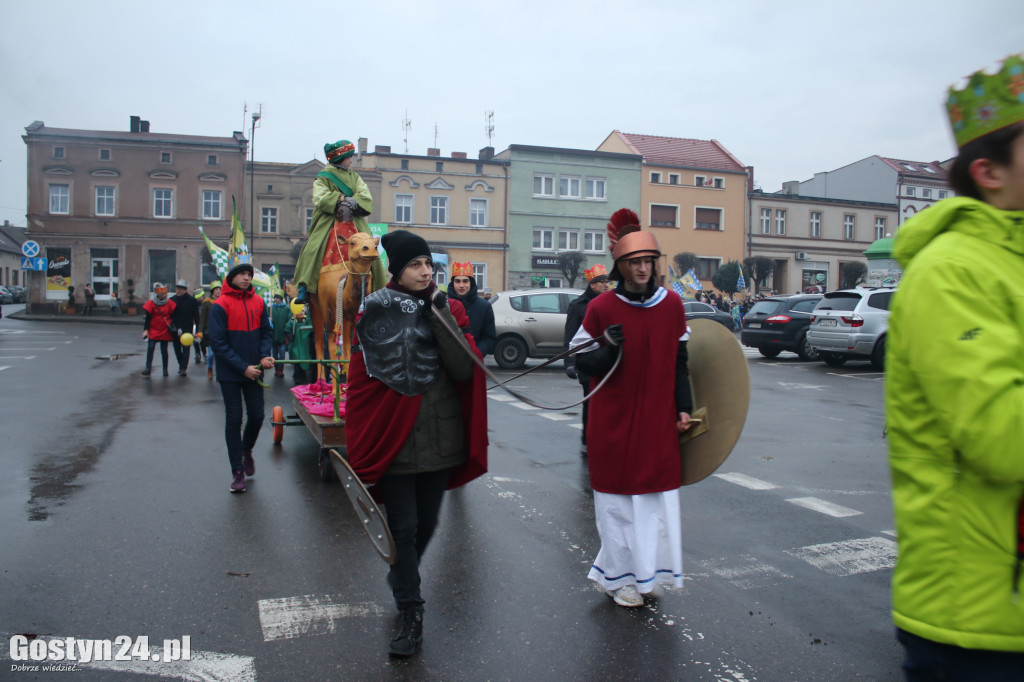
(158, 320)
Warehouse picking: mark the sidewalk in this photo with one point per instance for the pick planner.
(98, 316)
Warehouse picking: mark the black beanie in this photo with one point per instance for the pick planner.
(403, 247)
(238, 269)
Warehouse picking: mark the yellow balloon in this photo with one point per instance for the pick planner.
(186, 339)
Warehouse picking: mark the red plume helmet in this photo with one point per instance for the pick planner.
(622, 223)
(627, 239)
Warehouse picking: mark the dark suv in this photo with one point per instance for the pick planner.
(780, 323)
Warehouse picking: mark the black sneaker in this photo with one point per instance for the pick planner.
(146, 372)
(410, 633)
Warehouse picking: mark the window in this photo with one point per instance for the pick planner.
(780, 221)
(569, 186)
(543, 303)
(165, 157)
(405, 164)
(815, 223)
(403, 208)
(926, 193)
(766, 221)
(104, 201)
(544, 185)
(162, 203)
(270, 188)
(568, 240)
(911, 191)
(439, 166)
(706, 268)
(104, 155)
(943, 194)
(673, 178)
(655, 177)
(309, 219)
(480, 275)
(479, 169)
(478, 212)
(438, 210)
(593, 241)
(58, 152)
(268, 220)
(699, 180)
(663, 216)
(879, 227)
(60, 199)
(211, 204)
(708, 219)
(543, 239)
(211, 160)
(595, 188)
(849, 226)
(719, 183)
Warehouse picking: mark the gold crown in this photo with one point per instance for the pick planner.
(462, 269)
(595, 271)
(988, 103)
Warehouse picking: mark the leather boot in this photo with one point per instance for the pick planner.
(410, 632)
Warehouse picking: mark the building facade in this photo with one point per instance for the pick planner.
(692, 195)
(11, 239)
(812, 239)
(560, 201)
(108, 207)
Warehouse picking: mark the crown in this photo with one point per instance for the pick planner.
(462, 270)
(595, 271)
(988, 103)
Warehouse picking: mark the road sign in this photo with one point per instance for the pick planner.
(30, 249)
(33, 264)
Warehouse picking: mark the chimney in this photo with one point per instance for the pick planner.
(143, 126)
(459, 155)
(791, 187)
(382, 149)
(134, 127)
(362, 144)
(433, 151)
(486, 154)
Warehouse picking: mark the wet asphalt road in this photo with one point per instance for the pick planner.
(117, 521)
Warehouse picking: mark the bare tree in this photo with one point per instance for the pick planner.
(759, 269)
(571, 263)
(685, 262)
(852, 274)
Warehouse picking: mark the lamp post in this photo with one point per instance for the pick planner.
(256, 116)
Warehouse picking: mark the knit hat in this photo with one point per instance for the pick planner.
(338, 151)
(403, 247)
(241, 267)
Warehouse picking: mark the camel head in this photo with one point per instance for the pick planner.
(362, 246)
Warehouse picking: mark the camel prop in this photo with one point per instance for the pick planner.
(356, 284)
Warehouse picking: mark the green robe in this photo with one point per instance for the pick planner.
(325, 197)
(298, 333)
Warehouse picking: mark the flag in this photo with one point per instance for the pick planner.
(222, 258)
(691, 280)
(678, 288)
(740, 283)
(238, 252)
(276, 289)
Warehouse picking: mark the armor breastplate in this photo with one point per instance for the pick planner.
(398, 344)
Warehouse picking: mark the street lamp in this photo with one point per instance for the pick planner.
(256, 116)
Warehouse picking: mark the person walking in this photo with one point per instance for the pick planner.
(204, 326)
(634, 421)
(481, 316)
(197, 345)
(413, 434)
(280, 314)
(597, 284)
(156, 325)
(185, 318)
(240, 335)
(90, 300)
(954, 395)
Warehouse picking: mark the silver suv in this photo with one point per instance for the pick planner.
(851, 324)
(530, 323)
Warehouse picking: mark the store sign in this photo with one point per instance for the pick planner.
(544, 261)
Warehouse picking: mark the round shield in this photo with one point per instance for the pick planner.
(369, 514)
(721, 396)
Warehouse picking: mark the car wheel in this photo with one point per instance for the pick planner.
(769, 351)
(878, 355)
(833, 359)
(510, 353)
(806, 351)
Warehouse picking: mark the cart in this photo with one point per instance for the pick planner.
(329, 432)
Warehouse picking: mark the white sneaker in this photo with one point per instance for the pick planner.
(626, 596)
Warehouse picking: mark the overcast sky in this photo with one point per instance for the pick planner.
(791, 88)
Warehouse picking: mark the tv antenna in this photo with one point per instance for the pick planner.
(406, 125)
(435, 136)
(489, 127)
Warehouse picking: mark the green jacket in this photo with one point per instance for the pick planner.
(955, 411)
(279, 316)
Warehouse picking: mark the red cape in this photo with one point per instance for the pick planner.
(379, 420)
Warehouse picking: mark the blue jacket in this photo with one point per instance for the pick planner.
(481, 317)
(239, 331)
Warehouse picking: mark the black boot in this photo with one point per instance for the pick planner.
(410, 632)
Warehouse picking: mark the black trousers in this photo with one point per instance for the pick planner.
(182, 353)
(235, 393)
(412, 502)
(929, 661)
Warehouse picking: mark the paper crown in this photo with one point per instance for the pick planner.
(462, 270)
(598, 270)
(988, 103)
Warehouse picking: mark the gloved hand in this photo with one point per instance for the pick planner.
(439, 299)
(570, 371)
(613, 334)
(343, 212)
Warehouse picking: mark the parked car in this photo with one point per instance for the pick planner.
(852, 324)
(5, 295)
(698, 310)
(18, 292)
(779, 323)
(530, 324)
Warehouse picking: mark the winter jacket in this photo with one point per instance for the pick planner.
(574, 315)
(239, 331)
(279, 316)
(186, 312)
(204, 316)
(954, 403)
(481, 317)
(157, 320)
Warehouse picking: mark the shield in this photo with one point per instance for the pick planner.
(373, 521)
(721, 396)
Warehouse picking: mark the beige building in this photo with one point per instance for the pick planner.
(811, 239)
(456, 203)
(692, 195)
(109, 206)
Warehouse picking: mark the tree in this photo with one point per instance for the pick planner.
(571, 264)
(726, 277)
(295, 250)
(852, 274)
(758, 269)
(685, 262)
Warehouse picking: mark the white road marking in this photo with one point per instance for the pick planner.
(7, 349)
(814, 504)
(557, 416)
(812, 387)
(744, 572)
(308, 615)
(27, 331)
(890, 533)
(17, 357)
(500, 397)
(506, 479)
(524, 406)
(746, 481)
(204, 666)
(4, 367)
(576, 426)
(850, 556)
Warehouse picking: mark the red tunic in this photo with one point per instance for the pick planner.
(632, 441)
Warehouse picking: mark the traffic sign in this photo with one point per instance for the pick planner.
(33, 264)
(30, 249)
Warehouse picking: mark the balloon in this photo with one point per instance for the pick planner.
(186, 339)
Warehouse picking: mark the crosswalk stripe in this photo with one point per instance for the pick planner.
(746, 481)
(308, 615)
(556, 416)
(850, 556)
(814, 504)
